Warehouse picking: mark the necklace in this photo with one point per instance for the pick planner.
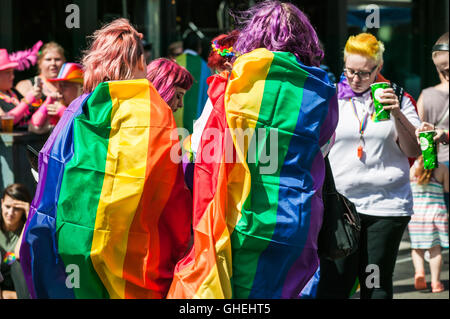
(362, 127)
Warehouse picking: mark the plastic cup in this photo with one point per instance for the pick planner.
(7, 123)
(380, 113)
(429, 149)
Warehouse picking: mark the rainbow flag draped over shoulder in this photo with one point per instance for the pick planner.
(195, 98)
(111, 215)
(256, 219)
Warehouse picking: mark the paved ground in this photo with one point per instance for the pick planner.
(404, 275)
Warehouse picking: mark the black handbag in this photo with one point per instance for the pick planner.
(341, 226)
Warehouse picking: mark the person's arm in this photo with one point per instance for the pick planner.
(420, 108)
(441, 135)
(9, 294)
(40, 116)
(24, 87)
(446, 181)
(405, 130)
(22, 108)
(56, 109)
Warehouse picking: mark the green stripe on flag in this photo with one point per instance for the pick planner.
(259, 212)
(80, 191)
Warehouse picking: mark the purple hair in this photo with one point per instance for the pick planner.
(165, 75)
(278, 26)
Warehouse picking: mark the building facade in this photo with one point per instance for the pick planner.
(408, 27)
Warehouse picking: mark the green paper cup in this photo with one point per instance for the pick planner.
(380, 113)
(429, 149)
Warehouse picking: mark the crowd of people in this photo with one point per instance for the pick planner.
(217, 228)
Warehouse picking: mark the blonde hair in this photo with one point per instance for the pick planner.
(423, 175)
(114, 53)
(46, 48)
(365, 44)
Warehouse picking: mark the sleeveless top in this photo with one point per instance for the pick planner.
(7, 106)
(435, 104)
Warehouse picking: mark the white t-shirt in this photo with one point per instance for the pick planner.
(199, 126)
(378, 183)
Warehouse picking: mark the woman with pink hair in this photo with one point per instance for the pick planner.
(171, 81)
(110, 199)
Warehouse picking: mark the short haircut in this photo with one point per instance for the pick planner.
(366, 45)
(166, 75)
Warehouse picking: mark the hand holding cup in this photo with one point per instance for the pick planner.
(390, 101)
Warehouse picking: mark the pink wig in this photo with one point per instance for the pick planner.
(116, 51)
(165, 75)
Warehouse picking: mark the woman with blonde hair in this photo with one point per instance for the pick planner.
(369, 160)
(110, 203)
(50, 60)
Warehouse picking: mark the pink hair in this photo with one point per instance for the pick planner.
(165, 75)
(114, 54)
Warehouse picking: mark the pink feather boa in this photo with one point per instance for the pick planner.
(26, 58)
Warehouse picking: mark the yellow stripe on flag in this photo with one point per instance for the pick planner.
(123, 182)
(244, 94)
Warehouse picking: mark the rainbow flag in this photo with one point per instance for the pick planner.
(111, 215)
(195, 98)
(256, 228)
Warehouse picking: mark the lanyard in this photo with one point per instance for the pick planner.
(365, 120)
(362, 128)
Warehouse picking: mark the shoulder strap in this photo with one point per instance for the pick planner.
(445, 117)
(399, 91)
(328, 183)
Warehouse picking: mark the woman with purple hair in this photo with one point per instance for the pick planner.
(262, 212)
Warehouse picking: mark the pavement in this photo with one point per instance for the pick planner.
(404, 275)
